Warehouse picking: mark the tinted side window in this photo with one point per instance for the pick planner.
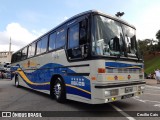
(13, 58)
(77, 40)
(31, 50)
(41, 46)
(44, 42)
(73, 36)
(52, 41)
(18, 57)
(24, 53)
(60, 39)
(38, 51)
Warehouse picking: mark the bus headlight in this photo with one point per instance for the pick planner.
(111, 92)
(142, 87)
(107, 93)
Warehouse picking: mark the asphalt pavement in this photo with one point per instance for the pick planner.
(152, 82)
(23, 99)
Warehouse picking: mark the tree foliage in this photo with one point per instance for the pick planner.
(158, 35)
(150, 46)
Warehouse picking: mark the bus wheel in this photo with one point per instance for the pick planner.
(59, 90)
(16, 82)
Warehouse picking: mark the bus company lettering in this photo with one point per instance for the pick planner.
(77, 82)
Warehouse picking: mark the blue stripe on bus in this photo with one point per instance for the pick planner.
(121, 65)
(44, 74)
(71, 90)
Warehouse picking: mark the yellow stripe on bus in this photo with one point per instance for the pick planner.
(27, 80)
(78, 88)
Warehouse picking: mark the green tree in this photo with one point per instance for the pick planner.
(148, 46)
(158, 35)
(151, 45)
(143, 46)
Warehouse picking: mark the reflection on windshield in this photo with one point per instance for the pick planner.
(130, 40)
(108, 38)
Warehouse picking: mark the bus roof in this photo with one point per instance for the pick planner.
(96, 12)
(81, 14)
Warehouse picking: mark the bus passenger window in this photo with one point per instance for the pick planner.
(73, 36)
(52, 41)
(31, 50)
(13, 58)
(42, 45)
(44, 42)
(38, 51)
(18, 55)
(60, 39)
(24, 53)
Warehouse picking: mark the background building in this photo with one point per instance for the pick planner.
(5, 56)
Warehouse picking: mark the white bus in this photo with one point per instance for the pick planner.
(91, 57)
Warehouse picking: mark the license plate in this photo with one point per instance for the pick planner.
(127, 96)
(128, 89)
(114, 92)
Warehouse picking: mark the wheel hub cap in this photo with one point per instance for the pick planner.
(57, 90)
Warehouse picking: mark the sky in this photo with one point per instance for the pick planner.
(23, 21)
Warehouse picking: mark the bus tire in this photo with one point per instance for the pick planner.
(16, 81)
(58, 90)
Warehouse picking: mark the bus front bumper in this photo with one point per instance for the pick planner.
(113, 92)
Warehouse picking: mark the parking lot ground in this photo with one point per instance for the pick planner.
(23, 99)
(152, 82)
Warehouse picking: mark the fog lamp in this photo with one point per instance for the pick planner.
(113, 99)
(142, 87)
(106, 100)
(107, 93)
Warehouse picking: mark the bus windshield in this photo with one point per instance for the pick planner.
(111, 38)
